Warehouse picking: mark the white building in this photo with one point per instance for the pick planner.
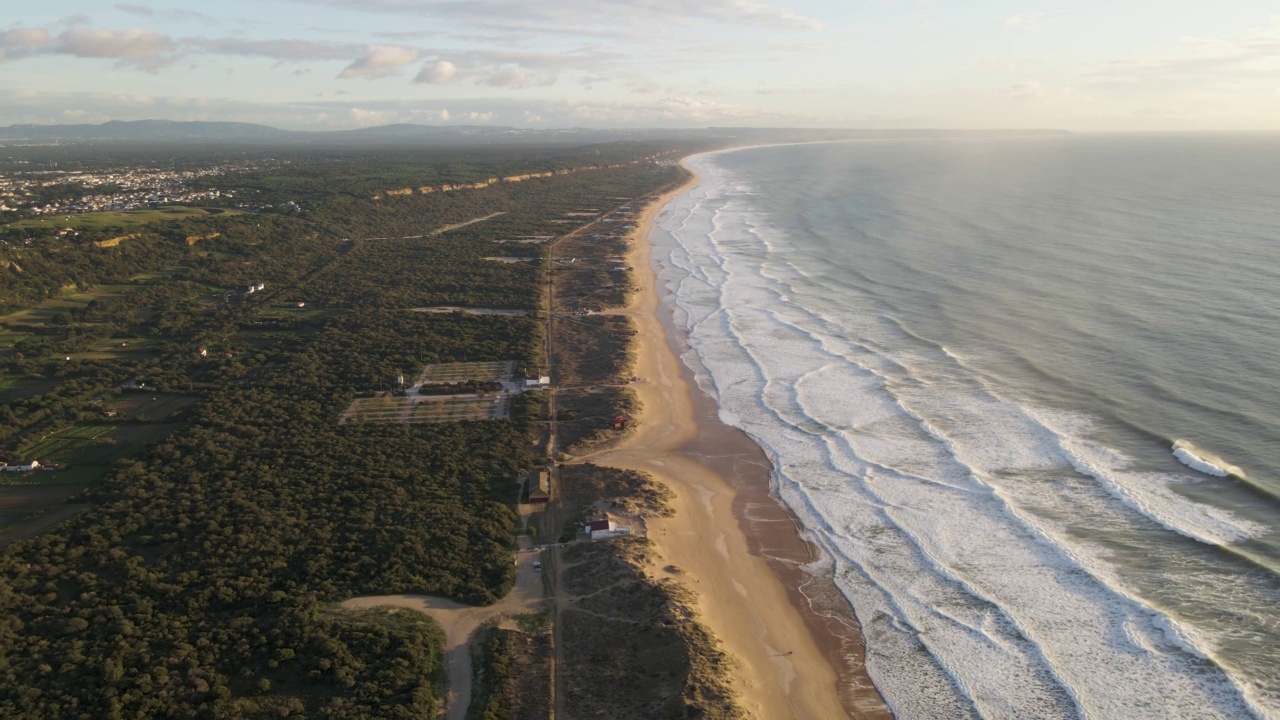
(21, 467)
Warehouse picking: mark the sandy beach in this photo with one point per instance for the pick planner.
(795, 640)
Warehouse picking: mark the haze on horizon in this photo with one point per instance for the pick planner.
(333, 64)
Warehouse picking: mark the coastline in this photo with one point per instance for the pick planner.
(795, 638)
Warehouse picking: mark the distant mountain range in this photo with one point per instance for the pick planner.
(236, 133)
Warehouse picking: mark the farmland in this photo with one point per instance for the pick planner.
(87, 451)
(118, 219)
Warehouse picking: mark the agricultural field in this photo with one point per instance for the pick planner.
(414, 410)
(16, 387)
(149, 407)
(116, 347)
(120, 218)
(27, 507)
(458, 372)
(87, 451)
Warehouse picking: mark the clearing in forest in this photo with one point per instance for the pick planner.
(412, 406)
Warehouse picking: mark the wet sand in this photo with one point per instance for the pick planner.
(793, 636)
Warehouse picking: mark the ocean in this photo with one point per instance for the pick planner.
(1024, 394)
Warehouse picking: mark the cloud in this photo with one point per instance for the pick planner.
(516, 78)
(134, 9)
(379, 61)
(647, 88)
(143, 49)
(1250, 56)
(293, 50)
(367, 118)
(553, 18)
(992, 64)
(441, 72)
(1030, 90)
(23, 42)
(1033, 91)
(1032, 19)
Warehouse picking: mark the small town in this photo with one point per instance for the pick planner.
(53, 191)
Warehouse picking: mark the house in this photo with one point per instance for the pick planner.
(607, 534)
(540, 488)
(619, 422)
(27, 466)
(538, 383)
(599, 521)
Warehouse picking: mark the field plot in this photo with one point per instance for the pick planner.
(413, 407)
(27, 509)
(20, 502)
(429, 409)
(87, 451)
(455, 409)
(458, 372)
(154, 407)
(121, 218)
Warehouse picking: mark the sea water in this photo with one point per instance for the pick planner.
(1025, 396)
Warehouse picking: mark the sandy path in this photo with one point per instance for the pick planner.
(460, 622)
(782, 673)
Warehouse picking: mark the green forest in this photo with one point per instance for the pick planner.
(203, 579)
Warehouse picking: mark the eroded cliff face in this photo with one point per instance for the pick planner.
(481, 184)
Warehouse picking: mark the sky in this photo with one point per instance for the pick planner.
(1084, 65)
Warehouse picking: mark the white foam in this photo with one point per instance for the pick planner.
(1197, 459)
(946, 509)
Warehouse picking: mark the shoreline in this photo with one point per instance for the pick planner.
(795, 639)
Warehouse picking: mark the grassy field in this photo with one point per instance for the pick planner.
(47, 310)
(457, 372)
(117, 347)
(424, 410)
(89, 450)
(14, 387)
(153, 407)
(97, 444)
(121, 218)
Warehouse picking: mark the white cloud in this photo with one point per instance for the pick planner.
(444, 115)
(379, 61)
(1250, 56)
(369, 118)
(135, 9)
(557, 18)
(516, 77)
(140, 48)
(441, 72)
(22, 42)
(1032, 19)
(999, 64)
(1030, 90)
(279, 49)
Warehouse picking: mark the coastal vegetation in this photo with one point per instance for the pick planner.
(201, 579)
(633, 645)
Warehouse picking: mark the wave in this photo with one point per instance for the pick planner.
(1207, 463)
(952, 515)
